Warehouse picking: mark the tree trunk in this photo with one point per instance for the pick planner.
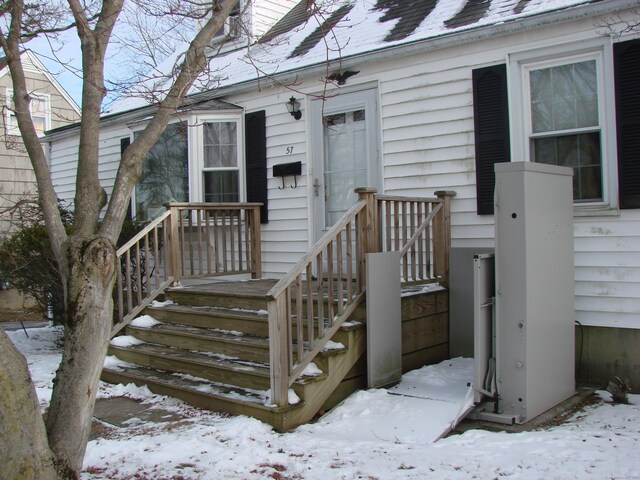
(24, 452)
(86, 339)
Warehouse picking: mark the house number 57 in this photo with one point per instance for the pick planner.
(289, 150)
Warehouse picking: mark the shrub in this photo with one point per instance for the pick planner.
(26, 257)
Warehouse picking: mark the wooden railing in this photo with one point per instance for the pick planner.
(189, 240)
(319, 294)
(418, 228)
(309, 305)
(214, 239)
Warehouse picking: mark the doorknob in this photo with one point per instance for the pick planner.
(316, 187)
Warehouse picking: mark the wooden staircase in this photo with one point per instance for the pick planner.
(211, 349)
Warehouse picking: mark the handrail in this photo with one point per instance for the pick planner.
(188, 240)
(420, 230)
(214, 239)
(417, 227)
(327, 238)
(145, 231)
(142, 272)
(318, 305)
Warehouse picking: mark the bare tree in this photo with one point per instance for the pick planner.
(86, 256)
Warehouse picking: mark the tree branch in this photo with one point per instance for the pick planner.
(195, 62)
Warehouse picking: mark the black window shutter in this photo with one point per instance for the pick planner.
(124, 143)
(491, 123)
(255, 134)
(627, 81)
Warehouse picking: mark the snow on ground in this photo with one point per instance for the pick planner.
(599, 442)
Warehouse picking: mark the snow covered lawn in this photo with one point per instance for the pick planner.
(600, 442)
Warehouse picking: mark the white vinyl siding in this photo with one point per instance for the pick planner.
(427, 144)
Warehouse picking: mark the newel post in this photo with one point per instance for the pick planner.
(442, 236)
(256, 243)
(370, 220)
(279, 344)
(173, 242)
(368, 239)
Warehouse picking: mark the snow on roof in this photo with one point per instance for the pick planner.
(338, 29)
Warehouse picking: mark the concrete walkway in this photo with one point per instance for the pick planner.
(13, 326)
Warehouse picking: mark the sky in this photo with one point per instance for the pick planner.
(67, 66)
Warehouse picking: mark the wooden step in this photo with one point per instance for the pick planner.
(246, 322)
(227, 343)
(204, 394)
(250, 295)
(224, 342)
(246, 374)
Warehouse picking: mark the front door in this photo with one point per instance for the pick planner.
(346, 156)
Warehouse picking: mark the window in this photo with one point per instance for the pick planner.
(40, 113)
(565, 125)
(221, 172)
(164, 175)
(561, 102)
(201, 159)
(231, 27)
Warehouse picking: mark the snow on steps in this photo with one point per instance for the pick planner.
(217, 358)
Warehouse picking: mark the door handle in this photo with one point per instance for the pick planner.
(316, 187)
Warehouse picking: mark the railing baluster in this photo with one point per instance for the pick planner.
(232, 240)
(199, 227)
(320, 294)
(339, 274)
(121, 312)
(138, 273)
(207, 239)
(330, 284)
(127, 272)
(181, 244)
(310, 315)
(349, 246)
(147, 269)
(223, 227)
(299, 319)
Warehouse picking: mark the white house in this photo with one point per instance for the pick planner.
(411, 98)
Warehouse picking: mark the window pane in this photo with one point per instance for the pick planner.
(220, 145)
(38, 113)
(221, 186)
(38, 124)
(580, 152)
(164, 175)
(564, 97)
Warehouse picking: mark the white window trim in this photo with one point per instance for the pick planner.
(520, 115)
(13, 129)
(196, 153)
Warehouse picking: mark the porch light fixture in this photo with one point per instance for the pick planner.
(293, 107)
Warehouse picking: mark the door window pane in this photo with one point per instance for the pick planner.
(345, 162)
(164, 175)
